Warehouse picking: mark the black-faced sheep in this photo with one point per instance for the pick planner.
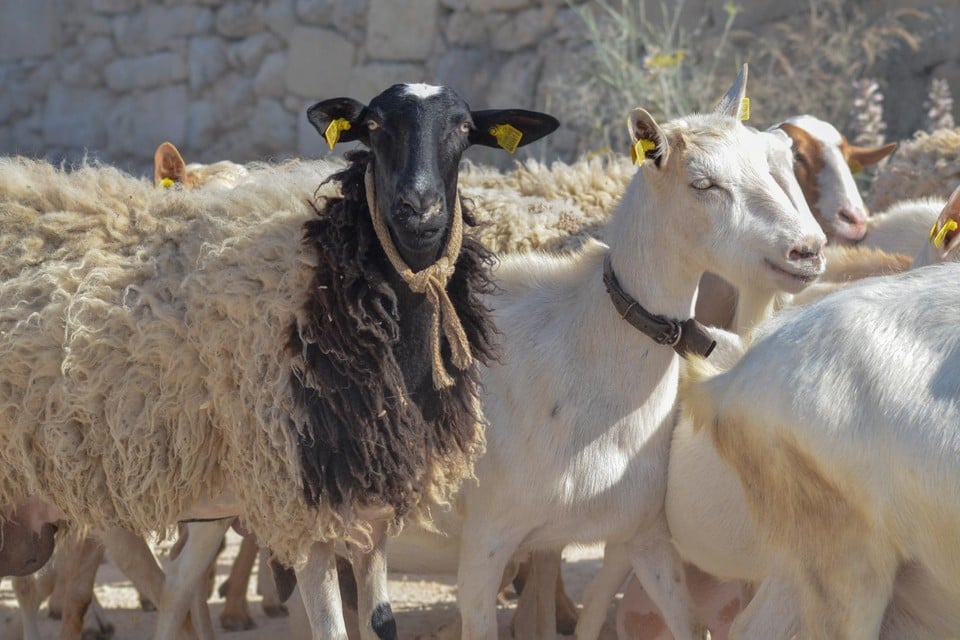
(256, 355)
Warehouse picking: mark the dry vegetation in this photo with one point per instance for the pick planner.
(640, 54)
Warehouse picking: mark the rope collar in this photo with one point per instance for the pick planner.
(432, 282)
(687, 337)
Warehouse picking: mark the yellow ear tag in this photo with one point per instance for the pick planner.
(948, 226)
(332, 134)
(855, 166)
(507, 136)
(745, 109)
(166, 183)
(638, 152)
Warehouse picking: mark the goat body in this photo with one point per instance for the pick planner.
(850, 474)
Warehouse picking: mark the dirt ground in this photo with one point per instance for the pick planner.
(421, 603)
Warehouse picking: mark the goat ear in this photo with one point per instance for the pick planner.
(945, 235)
(510, 128)
(339, 120)
(168, 166)
(732, 104)
(647, 139)
(860, 157)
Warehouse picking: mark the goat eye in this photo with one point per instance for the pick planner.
(702, 184)
(372, 126)
(465, 127)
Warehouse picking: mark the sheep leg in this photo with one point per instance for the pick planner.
(96, 625)
(30, 593)
(186, 574)
(602, 589)
(536, 615)
(236, 615)
(200, 616)
(661, 573)
(483, 557)
(78, 574)
(320, 592)
(267, 587)
(370, 570)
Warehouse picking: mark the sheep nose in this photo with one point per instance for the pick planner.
(422, 202)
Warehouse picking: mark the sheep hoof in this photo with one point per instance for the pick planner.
(236, 622)
(275, 610)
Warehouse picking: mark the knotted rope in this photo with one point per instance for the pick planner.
(431, 282)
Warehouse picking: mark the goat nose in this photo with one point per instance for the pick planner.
(807, 249)
(852, 217)
(854, 224)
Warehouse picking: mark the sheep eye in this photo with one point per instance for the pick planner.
(465, 127)
(372, 125)
(702, 184)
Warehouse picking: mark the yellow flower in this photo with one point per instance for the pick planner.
(664, 60)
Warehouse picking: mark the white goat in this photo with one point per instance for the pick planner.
(850, 474)
(824, 162)
(706, 507)
(573, 462)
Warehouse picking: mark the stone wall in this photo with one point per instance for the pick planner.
(232, 79)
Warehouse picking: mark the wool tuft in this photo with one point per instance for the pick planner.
(146, 360)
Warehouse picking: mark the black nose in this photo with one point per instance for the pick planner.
(422, 202)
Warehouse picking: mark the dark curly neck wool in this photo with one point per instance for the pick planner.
(369, 437)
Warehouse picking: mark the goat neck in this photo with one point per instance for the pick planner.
(655, 272)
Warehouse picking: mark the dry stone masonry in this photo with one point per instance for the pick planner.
(113, 78)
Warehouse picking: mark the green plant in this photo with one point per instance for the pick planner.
(639, 57)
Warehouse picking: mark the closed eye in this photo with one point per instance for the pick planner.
(702, 184)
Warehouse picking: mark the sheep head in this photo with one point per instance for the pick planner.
(417, 134)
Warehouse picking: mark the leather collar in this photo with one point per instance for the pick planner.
(686, 337)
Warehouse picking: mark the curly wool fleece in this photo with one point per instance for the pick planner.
(147, 366)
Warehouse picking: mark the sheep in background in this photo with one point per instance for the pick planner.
(928, 165)
(208, 324)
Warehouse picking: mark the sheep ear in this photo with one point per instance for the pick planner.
(860, 157)
(647, 139)
(733, 103)
(945, 235)
(168, 166)
(510, 128)
(339, 120)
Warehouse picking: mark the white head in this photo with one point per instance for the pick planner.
(944, 241)
(824, 164)
(740, 210)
